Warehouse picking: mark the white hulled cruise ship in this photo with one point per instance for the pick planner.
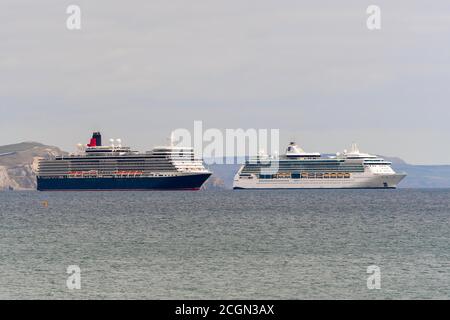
(298, 169)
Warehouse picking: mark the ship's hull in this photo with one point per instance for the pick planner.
(388, 181)
(180, 182)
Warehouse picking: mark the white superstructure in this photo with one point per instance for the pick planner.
(298, 169)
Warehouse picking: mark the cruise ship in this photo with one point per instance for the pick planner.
(114, 167)
(297, 169)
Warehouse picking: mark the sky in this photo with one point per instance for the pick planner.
(139, 69)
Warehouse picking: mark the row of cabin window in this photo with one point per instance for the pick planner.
(308, 176)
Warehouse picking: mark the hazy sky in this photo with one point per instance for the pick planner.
(139, 69)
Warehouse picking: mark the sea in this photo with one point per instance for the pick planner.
(266, 244)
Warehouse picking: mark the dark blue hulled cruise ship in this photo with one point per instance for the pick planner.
(113, 167)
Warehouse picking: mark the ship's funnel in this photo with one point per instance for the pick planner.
(98, 138)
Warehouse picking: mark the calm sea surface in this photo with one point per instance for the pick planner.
(302, 244)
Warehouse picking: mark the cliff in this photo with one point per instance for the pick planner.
(18, 162)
